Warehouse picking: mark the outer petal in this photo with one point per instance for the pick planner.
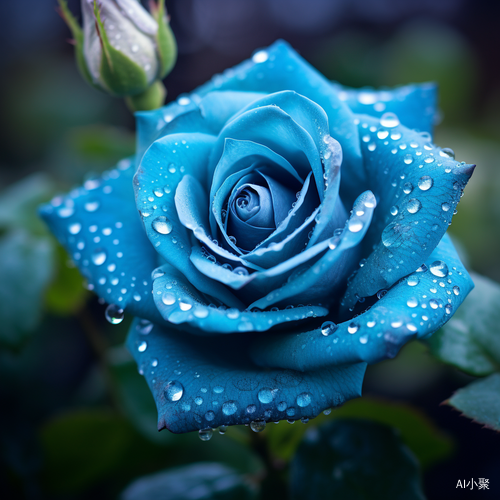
(414, 308)
(279, 68)
(161, 170)
(415, 105)
(201, 384)
(99, 226)
(179, 303)
(418, 186)
(190, 114)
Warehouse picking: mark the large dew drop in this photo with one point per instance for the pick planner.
(99, 256)
(328, 327)
(258, 425)
(389, 120)
(174, 391)
(303, 399)
(205, 434)
(413, 206)
(229, 407)
(266, 395)
(439, 269)
(162, 225)
(425, 183)
(114, 314)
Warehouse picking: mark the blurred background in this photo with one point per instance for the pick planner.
(66, 384)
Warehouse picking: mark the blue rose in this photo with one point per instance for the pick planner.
(274, 234)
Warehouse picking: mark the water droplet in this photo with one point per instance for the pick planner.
(142, 346)
(355, 225)
(434, 303)
(99, 256)
(229, 407)
(251, 409)
(445, 207)
(260, 56)
(429, 159)
(222, 429)
(408, 159)
(198, 400)
(447, 153)
(327, 411)
(218, 389)
(205, 434)
(408, 188)
(162, 225)
(425, 183)
(381, 293)
(413, 206)
(439, 269)
(266, 395)
(382, 134)
(114, 314)
(328, 327)
(258, 425)
(185, 304)
(75, 228)
(91, 205)
(174, 391)
(282, 406)
(303, 399)
(448, 308)
(209, 415)
(144, 326)
(168, 298)
(352, 328)
(412, 302)
(456, 290)
(394, 210)
(389, 120)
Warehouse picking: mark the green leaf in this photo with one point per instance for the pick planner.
(66, 294)
(480, 401)
(203, 481)
(26, 268)
(20, 201)
(471, 339)
(417, 431)
(135, 398)
(354, 459)
(121, 75)
(82, 447)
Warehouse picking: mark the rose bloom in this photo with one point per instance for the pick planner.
(274, 234)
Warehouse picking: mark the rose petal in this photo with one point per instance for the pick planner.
(162, 168)
(418, 183)
(415, 105)
(205, 384)
(99, 226)
(414, 308)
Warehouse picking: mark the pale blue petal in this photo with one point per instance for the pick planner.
(198, 383)
(414, 308)
(418, 187)
(415, 105)
(99, 226)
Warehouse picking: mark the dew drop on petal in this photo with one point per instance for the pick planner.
(328, 327)
(303, 399)
(425, 183)
(229, 407)
(389, 120)
(439, 269)
(205, 434)
(413, 206)
(258, 425)
(174, 391)
(114, 314)
(162, 225)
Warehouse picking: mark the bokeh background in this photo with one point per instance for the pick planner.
(70, 425)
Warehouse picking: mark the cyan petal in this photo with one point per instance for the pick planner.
(275, 129)
(279, 68)
(321, 282)
(198, 383)
(312, 118)
(219, 107)
(189, 114)
(414, 308)
(162, 167)
(282, 196)
(179, 302)
(418, 186)
(99, 226)
(415, 105)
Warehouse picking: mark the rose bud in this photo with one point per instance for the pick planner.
(123, 49)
